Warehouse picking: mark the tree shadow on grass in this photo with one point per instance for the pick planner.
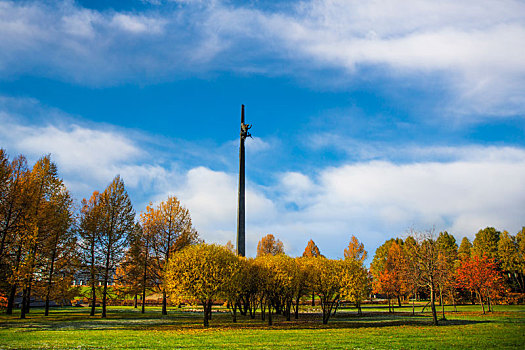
(192, 321)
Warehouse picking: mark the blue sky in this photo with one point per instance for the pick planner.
(370, 118)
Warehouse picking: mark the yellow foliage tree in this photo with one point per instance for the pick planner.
(203, 272)
(325, 279)
(355, 282)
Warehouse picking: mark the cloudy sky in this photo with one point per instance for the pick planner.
(370, 118)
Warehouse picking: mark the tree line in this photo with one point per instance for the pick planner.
(489, 269)
(46, 240)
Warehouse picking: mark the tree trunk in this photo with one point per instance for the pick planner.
(22, 307)
(297, 308)
(11, 299)
(143, 309)
(50, 280)
(481, 302)
(106, 276)
(93, 298)
(313, 298)
(244, 305)
(28, 297)
(145, 276)
(164, 303)
(25, 301)
(433, 305)
(399, 301)
(263, 310)
(442, 303)
(269, 313)
(234, 312)
(104, 298)
(288, 310)
(414, 304)
(93, 280)
(205, 307)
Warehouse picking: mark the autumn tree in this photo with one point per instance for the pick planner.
(426, 254)
(480, 275)
(169, 226)
(510, 260)
(269, 245)
(325, 277)
(355, 282)
(252, 290)
(201, 271)
(59, 245)
(465, 248)
(389, 276)
(43, 184)
(15, 207)
(355, 250)
(411, 273)
(117, 223)
(235, 289)
(279, 274)
(381, 255)
(520, 242)
(486, 243)
(132, 274)
(448, 253)
(311, 250)
(229, 245)
(300, 283)
(90, 225)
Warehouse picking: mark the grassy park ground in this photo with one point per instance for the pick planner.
(126, 327)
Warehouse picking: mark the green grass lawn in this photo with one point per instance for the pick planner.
(126, 327)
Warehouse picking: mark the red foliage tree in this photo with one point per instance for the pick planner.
(480, 275)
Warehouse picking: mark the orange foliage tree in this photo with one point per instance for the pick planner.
(311, 250)
(355, 250)
(390, 278)
(269, 245)
(480, 275)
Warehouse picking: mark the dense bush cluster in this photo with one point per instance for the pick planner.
(271, 283)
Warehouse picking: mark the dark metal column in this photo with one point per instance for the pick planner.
(241, 242)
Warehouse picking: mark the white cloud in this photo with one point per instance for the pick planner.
(138, 24)
(474, 46)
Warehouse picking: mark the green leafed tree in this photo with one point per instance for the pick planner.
(486, 243)
(509, 258)
(465, 249)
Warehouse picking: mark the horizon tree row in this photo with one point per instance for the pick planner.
(46, 240)
(490, 268)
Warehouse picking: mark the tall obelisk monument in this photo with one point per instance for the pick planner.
(241, 242)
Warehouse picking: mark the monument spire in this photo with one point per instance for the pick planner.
(241, 243)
